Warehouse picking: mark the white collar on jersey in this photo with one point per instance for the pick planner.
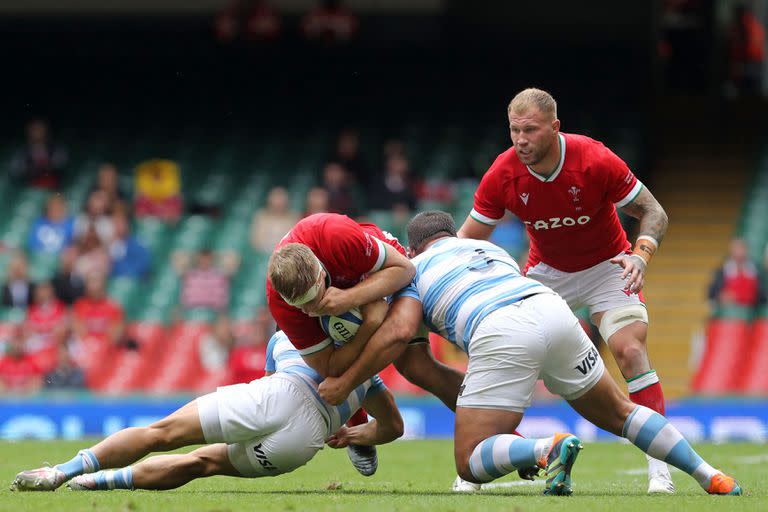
(559, 167)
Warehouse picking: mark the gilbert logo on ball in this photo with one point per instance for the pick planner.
(343, 327)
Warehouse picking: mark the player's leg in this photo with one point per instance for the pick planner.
(181, 428)
(625, 330)
(607, 407)
(575, 371)
(508, 350)
(161, 472)
(622, 320)
(419, 366)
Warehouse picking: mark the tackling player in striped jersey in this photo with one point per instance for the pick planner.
(267, 427)
(515, 331)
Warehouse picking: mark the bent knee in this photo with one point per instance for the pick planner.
(631, 355)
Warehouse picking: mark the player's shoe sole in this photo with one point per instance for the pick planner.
(363, 458)
(40, 479)
(724, 485)
(560, 461)
(82, 483)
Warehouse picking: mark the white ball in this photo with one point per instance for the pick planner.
(343, 327)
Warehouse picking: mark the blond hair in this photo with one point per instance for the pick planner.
(532, 97)
(293, 270)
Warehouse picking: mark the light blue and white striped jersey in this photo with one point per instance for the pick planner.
(460, 281)
(284, 359)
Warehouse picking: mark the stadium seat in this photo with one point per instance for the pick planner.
(755, 372)
(727, 341)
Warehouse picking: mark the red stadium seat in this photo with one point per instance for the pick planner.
(720, 369)
(755, 371)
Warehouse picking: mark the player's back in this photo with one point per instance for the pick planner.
(285, 361)
(460, 281)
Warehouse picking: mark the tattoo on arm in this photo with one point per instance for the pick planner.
(653, 219)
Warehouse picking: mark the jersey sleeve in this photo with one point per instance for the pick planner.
(302, 330)
(409, 291)
(621, 183)
(489, 203)
(377, 386)
(357, 249)
(269, 364)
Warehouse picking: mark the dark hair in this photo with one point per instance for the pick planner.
(425, 226)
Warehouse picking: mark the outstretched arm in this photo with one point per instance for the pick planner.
(653, 226)
(386, 345)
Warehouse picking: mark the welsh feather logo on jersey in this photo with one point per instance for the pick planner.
(574, 191)
(524, 196)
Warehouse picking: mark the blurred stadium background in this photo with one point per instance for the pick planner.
(167, 145)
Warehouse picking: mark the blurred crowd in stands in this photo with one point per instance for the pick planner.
(739, 282)
(55, 323)
(328, 23)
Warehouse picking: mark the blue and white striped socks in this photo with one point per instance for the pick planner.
(114, 479)
(84, 462)
(652, 433)
(502, 454)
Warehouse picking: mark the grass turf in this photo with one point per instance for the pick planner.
(413, 475)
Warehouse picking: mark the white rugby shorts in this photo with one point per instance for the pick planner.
(270, 425)
(600, 288)
(535, 338)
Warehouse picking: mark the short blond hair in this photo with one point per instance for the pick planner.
(293, 270)
(532, 97)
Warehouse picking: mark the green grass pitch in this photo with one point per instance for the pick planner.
(413, 475)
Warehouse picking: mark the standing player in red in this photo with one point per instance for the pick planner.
(328, 264)
(566, 188)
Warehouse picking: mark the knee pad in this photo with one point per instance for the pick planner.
(615, 319)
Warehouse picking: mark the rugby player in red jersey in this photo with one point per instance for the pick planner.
(566, 188)
(328, 264)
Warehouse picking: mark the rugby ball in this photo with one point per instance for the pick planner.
(342, 328)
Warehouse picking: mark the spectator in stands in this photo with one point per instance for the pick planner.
(394, 190)
(47, 326)
(272, 222)
(53, 231)
(262, 22)
(129, 257)
(329, 23)
(746, 41)
(68, 284)
(348, 155)
(66, 375)
(158, 190)
(737, 282)
(247, 358)
(92, 256)
(216, 345)
(205, 285)
(19, 373)
(40, 163)
(340, 196)
(18, 289)
(96, 216)
(226, 24)
(96, 316)
(108, 181)
(317, 201)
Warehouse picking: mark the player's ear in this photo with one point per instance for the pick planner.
(556, 125)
